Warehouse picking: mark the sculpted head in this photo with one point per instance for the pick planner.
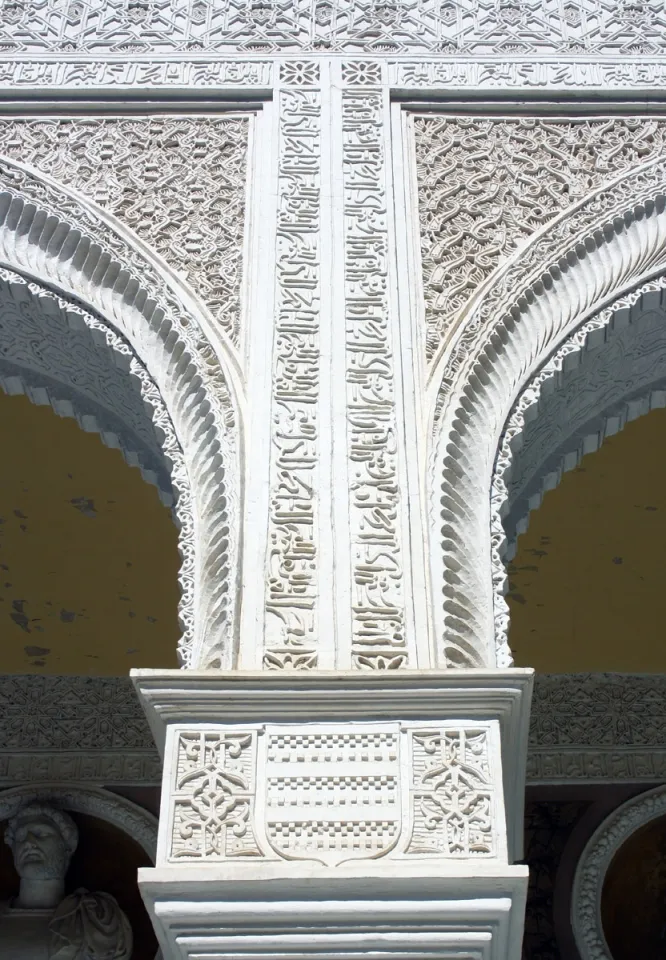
(42, 839)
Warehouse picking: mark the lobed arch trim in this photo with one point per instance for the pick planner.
(33, 385)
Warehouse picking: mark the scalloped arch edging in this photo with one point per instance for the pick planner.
(59, 239)
(615, 418)
(39, 394)
(588, 257)
(594, 863)
(609, 419)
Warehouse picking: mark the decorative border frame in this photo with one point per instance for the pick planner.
(594, 863)
(426, 77)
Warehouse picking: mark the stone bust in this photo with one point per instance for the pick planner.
(41, 923)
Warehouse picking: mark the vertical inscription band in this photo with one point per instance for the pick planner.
(378, 609)
(292, 586)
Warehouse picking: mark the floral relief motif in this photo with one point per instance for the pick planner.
(362, 73)
(486, 184)
(299, 73)
(452, 794)
(179, 183)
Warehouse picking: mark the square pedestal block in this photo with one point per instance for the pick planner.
(334, 814)
(475, 913)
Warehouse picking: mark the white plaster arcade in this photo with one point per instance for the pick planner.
(339, 240)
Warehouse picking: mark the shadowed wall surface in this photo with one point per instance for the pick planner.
(88, 554)
(634, 896)
(106, 859)
(586, 588)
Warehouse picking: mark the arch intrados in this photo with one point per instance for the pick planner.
(65, 242)
(605, 248)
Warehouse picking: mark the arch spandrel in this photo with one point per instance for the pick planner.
(599, 250)
(66, 244)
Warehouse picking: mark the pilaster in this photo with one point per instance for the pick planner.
(338, 813)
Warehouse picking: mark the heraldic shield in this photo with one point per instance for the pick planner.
(331, 794)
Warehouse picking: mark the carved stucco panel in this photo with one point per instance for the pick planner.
(452, 27)
(486, 184)
(612, 240)
(177, 182)
(332, 794)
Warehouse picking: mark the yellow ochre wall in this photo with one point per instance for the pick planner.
(588, 584)
(88, 554)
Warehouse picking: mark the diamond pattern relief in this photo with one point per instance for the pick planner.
(503, 27)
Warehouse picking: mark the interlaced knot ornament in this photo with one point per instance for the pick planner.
(213, 815)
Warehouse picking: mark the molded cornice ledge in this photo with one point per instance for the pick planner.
(476, 912)
(333, 814)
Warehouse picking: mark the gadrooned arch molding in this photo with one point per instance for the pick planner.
(594, 863)
(55, 390)
(590, 255)
(55, 236)
(623, 314)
